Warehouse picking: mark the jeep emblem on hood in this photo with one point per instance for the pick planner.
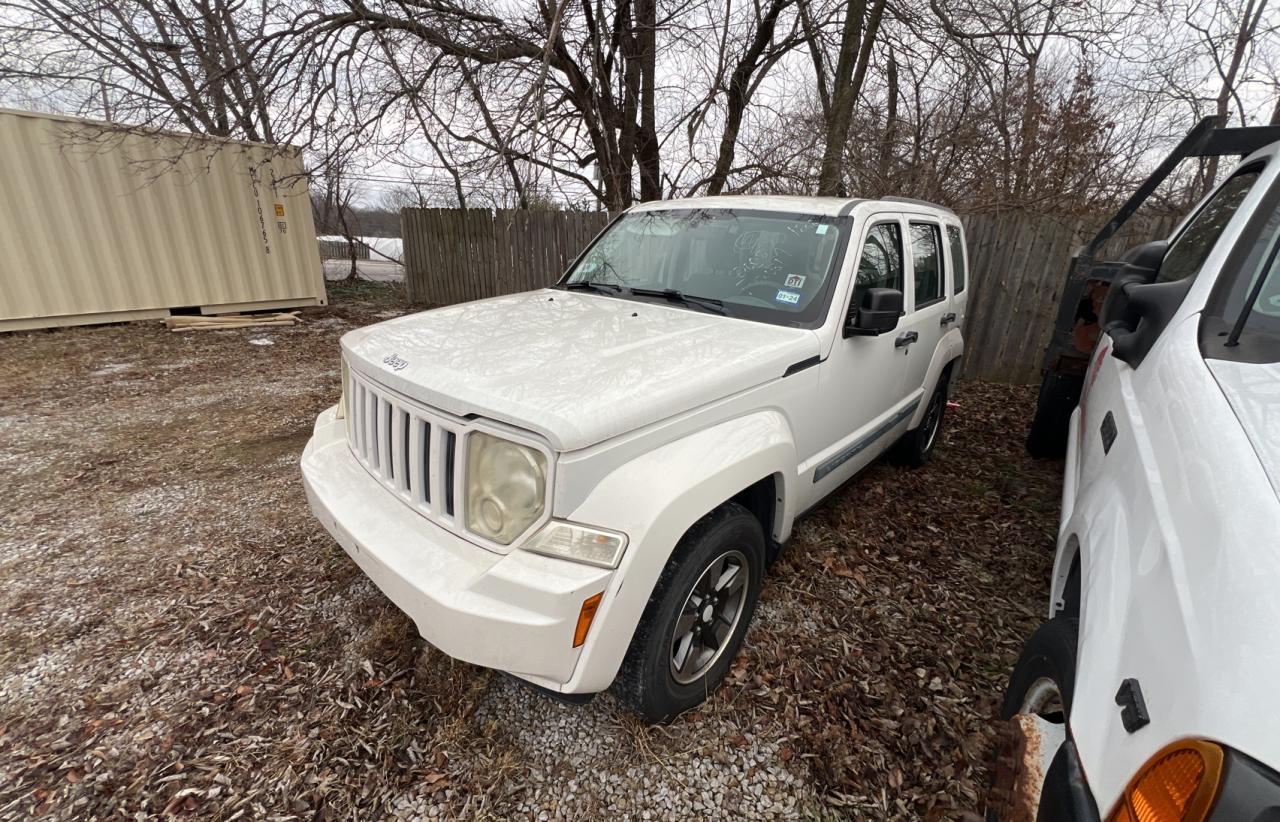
(394, 362)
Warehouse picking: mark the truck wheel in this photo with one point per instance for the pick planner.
(1043, 681)
(697, 616)
(916, 446)
(1039, 695)
(1058, 397)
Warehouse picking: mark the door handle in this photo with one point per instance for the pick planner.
(905, 339)
(948, 318)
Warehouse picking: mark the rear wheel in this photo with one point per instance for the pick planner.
(916, 446)
(1058, 397)
(697, 616)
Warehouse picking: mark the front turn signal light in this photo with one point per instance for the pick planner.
(585, 617)
(1178, 784)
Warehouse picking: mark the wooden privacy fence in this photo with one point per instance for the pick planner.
(1017, 264)
(452, 255)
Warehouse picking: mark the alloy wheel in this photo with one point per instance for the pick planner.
(709, 617)
(933, 420)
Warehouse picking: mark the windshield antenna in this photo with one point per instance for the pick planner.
(1233, 339)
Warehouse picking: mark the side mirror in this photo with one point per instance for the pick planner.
(1138, 308)
(1141, 266)
(877, 313)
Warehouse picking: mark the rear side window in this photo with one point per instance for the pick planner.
(926, 263)
(1191, 249)
(880, 265)
(957, 256)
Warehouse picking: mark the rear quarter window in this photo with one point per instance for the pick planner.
(956, 242)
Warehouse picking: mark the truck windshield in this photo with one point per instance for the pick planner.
(1252, 301)
(757, 265)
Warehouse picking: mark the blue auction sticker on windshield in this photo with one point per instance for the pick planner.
(789, 297)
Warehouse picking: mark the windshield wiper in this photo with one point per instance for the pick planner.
(591, 285)
(708, 303)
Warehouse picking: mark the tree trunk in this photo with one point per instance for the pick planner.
(738, 96)
(851, 70)
(890, 123)
(1244, 37)
(647, 138)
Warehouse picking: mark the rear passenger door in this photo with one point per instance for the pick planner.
(928, 303)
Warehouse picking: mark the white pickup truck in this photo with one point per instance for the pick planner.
(583, 485)
(1147, 694)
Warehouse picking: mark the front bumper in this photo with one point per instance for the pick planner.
(515, 612)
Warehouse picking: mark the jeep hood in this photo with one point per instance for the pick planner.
(576, 368)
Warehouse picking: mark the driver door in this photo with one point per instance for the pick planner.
(862, 382)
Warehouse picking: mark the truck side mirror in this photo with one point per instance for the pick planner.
(877, 313)
(1141, 266)
(1138, 308)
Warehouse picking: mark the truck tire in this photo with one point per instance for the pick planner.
(697, 616)
(916, 446)
(1047, 664)
(1059, 395)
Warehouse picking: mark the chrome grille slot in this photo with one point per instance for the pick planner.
(403, 460)
(450, 446)
(410, 449)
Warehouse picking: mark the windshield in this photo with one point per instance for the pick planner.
(756, 265)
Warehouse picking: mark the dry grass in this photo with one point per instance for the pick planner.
(181, 637)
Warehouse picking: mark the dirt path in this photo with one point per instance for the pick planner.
(179, 635)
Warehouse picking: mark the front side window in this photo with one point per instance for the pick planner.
(880, 263)
(766, 266)
(956, 242)
(1192, 247)
(926, 263)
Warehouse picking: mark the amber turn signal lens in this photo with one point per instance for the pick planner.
(588, 613)
(1178, 784)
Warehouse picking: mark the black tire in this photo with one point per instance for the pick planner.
(646, 682)
(1058, 397)
(916, 446)
(1050, 654)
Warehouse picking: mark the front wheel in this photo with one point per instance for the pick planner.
(1043, 680)
(697, 616)
(1037, 706)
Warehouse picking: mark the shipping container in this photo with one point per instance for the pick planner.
(102, 224)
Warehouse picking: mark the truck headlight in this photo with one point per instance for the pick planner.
(567, 540)
(506, 487)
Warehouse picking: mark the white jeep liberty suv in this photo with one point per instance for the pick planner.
(582, 485)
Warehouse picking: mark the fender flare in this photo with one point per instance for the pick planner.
(950, 348)
(655, 498)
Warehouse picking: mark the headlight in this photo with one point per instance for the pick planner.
(342, 390)
(579, 543)
(506, 487)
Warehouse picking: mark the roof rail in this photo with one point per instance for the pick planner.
(847, 208)
(913, 201)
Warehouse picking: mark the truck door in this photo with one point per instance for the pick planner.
(860, 412)
(928, 305)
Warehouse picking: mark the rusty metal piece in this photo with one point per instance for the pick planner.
(1026, 746)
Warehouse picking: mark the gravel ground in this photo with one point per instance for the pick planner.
(181, 638)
